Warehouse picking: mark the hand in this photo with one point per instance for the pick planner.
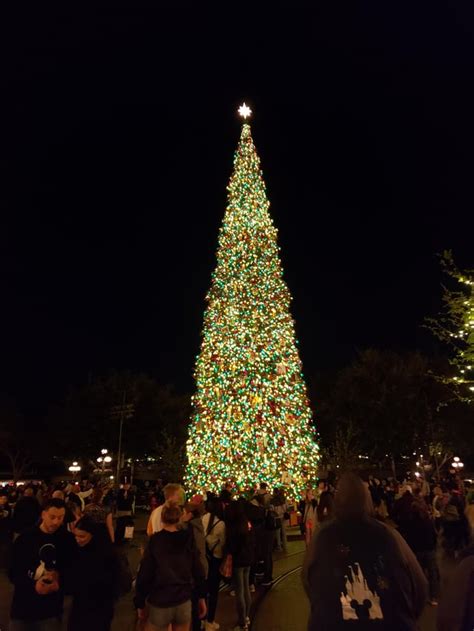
(142, 614)
(202, 608)
(44, 588)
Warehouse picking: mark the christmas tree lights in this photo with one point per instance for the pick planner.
(455, 326)
(251, 417)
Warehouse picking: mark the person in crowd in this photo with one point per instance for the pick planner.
(170, 568)
(455, 526)
(437, 506)
(75, 494)
(39, 558)
(358, 570)
(125, 506)
(402, 508)
(456, 610)
(263, 492)
(281, 509)
(99, 513)
(469, 512)
(215, 536)
(420, 534)
(241, 545)
(58, 494)
(73, 515)
(266, 538)
(6, 528)
(322, 488)
(192, 517)
(309, 515)
(172, 493)
(325, 507)
(27, 511)
(92, 578)
(255, 514)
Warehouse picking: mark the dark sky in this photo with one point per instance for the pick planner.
(118, 130)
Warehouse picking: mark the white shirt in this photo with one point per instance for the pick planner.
(155, 519)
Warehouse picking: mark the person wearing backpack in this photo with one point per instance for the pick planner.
(215, 536)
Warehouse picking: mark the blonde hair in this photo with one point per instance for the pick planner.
(174, 489)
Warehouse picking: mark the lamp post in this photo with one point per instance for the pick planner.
(457, 465)
(104, 459)
(74, 469)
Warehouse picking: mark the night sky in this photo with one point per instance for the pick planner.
(118, 132)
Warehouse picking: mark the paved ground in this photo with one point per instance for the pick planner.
(282, 608)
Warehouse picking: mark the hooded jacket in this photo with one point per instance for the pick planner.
(360, 574)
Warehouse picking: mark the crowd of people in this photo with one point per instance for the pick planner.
(371, 553)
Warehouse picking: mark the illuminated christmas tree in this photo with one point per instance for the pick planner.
(251, 416)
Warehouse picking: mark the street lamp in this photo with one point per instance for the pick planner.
(457, 464)
(104, 459)
(74, 469)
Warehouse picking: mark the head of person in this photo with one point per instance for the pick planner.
(215, 507)
(58, 494)
(226, 497)
(85, 531)
(28, 492)
(52, 515)
(322, 485)
(352, 501)
(309, 495)
(263, 487)
(174, 493)
(236, 516)
(193, 510)
(325, 508)
(171, 514)
(3, 498)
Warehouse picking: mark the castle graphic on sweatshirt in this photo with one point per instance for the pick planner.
(359, 602)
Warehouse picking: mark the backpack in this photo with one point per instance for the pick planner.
(272, 519)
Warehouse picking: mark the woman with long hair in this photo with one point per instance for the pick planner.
(93, 578)
(241, 545)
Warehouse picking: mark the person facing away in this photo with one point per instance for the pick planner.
(215, 537)
(359, 573)
(39, 558)
(420, 534)
(92, 578)
(241, 545)
(170, 568)
(99, 513)
(27, 511)
(172, 493)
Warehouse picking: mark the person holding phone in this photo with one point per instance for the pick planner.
(38, 559)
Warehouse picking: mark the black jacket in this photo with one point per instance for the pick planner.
(170, 569)
(32, 551)
(92, 580)
(241, 544)
(361, 575)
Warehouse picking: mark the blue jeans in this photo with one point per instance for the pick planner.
(242, 593)
(51, 624)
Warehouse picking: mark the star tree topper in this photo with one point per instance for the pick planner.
(244, 111)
